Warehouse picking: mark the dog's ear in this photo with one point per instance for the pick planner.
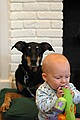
(19, 45)
(46, 46)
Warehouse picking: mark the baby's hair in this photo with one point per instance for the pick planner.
(53, 58)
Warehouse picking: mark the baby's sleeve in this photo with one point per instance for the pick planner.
(44, 101)
(76, 98)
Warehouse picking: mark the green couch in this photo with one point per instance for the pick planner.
(22, 108)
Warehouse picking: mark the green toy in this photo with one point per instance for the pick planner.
(65, 104)
(69, 109)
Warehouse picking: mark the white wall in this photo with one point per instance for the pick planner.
(35, 20)
(4, 39)
(27, 20)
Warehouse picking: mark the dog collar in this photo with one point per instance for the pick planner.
(26, 77)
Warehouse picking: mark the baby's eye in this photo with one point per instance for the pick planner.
(57, 77)
(67, 76)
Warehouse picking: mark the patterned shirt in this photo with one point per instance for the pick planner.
(46, 99)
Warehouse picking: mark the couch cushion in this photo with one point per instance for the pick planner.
(20, 109)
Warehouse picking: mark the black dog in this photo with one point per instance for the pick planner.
(29, 74)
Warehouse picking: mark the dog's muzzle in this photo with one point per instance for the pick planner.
(33, 68)
(33, 63)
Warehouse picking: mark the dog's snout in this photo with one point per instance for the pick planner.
(33, 62)
(33, 59)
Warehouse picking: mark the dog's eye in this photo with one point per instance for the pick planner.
(29, 47)
(29, 50)
(37, 47)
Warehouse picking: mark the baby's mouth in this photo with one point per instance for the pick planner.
(62, 86)
(66, 86)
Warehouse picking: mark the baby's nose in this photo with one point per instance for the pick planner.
(63, 80)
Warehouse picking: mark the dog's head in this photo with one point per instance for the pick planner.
(32, 53)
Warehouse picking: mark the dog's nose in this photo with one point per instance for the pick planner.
(33, 62)
(33, 59)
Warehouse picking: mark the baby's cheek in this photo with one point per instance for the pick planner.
(54, 86)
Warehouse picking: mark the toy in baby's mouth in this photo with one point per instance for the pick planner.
(65, 104)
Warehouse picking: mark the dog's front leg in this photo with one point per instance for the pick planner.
(1, 116)
(7, 100)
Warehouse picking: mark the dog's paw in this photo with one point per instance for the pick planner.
(5, 106)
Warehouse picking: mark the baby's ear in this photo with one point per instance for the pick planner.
(44, 76)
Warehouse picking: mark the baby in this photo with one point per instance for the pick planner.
(56, 74)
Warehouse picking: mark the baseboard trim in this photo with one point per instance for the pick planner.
(5, 84)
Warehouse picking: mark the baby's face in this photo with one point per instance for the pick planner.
(59, 75)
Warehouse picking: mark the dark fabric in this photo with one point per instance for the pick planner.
(20, 109)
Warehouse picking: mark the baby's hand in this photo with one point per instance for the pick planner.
(72, 93)
(60, 92)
